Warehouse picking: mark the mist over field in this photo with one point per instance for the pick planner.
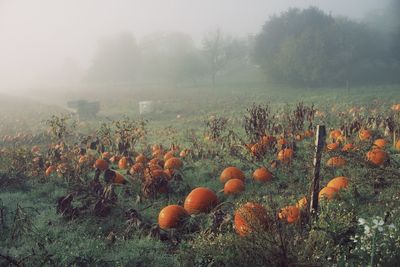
(54, 43)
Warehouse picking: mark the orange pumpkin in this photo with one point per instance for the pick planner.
(233, 186)
(380, 143)
(289, 214)
(364, 134)
(286, 155)
(172, 216)
(302, 203)
(173, 163)
(231, 173)
(50, 170)
(335, 134)
(336, 162)
(348, 147)
(123, 163)
(338, 182)
(397, 146)
(101, 164)
(249, 218)
(332, 146)
(118, 178)
(168, 155)
(200, 200)
(262, 175)
(377, 157)
(327, 193)
(140, 158)
(136, 168)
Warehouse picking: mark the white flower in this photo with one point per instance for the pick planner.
(367, 230)
(380, 228)
(361, 221)
(391, 226)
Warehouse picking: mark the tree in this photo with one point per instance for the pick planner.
(308, 47)
(220, 50)
(117, 60)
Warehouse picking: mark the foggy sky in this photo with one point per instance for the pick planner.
(38, 37)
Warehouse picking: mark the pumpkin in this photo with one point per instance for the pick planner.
(332, 146)
(233, 186)
(101, 164)
(377, 157)
(308, 133)
(136, 168)
(364, 134)
(156, 162)
(123, 163)
(338, 182)
(159, 153)
(168, 155)
(397, 146)
(173, 163)
(184, 153)
(172, 216)
(111, 176)
(289, 214)
(249, 218)
(50, 170)
(302, 203)
(200, 200)
(231, 173)
(140, 158)
(380, 143)
(348, 147)
(118, 178)
(327, 193)
(286, 155)
(335, 134)
(262, 175)
(336, 162)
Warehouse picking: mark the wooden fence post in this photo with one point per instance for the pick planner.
(320, 136)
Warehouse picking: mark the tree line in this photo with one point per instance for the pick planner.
(305, 47)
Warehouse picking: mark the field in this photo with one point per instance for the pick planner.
(62, 206)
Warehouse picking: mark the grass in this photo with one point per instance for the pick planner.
(85, 241)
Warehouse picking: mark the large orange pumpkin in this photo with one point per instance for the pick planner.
(377, 157)
(262, 175)
(338, 182)
(231, 173)
(173, 163)
(336, 162)
(200, 200)
(364, 134)
(327, 193)
(101, 164)
(233, 186)
(289, 214)
(171, 216)
(286, 155)
(249, 218)
(380, 143)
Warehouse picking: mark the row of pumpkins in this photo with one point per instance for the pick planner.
(249, 215)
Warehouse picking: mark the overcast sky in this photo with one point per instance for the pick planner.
(37, 36)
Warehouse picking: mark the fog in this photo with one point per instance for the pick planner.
(53, 42)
